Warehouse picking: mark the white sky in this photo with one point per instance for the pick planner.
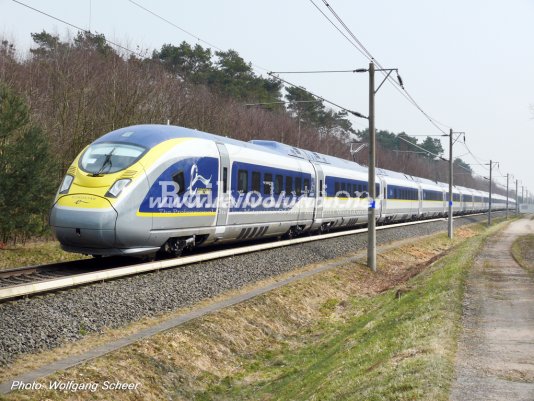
(469, 64)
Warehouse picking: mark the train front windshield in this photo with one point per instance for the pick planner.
(107, 158)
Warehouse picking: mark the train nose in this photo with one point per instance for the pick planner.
(84, 220)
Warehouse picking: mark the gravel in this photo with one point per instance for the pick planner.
(45, 322)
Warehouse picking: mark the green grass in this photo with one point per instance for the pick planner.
(523, 251)
(397, 349)
(35, 253)
(327, 337)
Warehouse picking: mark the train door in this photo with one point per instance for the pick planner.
(302, 207)
(319, 194)
(223, 200)
(380, 197)
(384, 200)
(420, 206)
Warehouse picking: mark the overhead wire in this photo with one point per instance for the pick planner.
(253, 64)
(419, 147)
(363, 50)
(186, 31)
(398, 86)
(339, 30)
(483, 165)
(77, 27)
(174, 25)
(355, 113)
(336, 16)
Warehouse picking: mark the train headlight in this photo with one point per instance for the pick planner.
(117, 188)
(65, 185)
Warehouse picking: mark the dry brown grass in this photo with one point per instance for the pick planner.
(184, 360)
(34, 253)
(523, 251)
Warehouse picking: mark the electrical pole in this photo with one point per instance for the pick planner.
(450, 221)
(489, 210)
(522, 194)
(507, 185)
(371, 224)
(516, 196)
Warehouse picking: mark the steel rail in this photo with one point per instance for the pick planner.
(27, 289)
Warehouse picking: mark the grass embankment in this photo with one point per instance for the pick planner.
(523, 251)
(346, 333)
(34, 253)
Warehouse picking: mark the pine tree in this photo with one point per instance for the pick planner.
(27, 172)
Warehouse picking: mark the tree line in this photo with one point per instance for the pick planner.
(66, 92)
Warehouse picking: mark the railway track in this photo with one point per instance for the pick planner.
(28, 281)
(34, 274)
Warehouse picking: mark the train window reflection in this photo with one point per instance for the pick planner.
(107, 158)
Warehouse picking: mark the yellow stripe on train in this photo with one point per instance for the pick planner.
(178, 214)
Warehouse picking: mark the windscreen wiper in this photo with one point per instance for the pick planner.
(107, 160)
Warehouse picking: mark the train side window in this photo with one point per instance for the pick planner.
(242, 181)
(179, 179)
(289, 185)
(320, 187)
(343, 187)
(256, 181)
(278, 184)
(298, 186)
(267, 183)
(225, 180)
(337, 188)
(306, 186)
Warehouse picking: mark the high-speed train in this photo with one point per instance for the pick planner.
(149, 189)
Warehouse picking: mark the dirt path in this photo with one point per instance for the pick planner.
(496, 348)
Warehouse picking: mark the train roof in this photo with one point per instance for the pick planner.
(150, 135)
(288, 150)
